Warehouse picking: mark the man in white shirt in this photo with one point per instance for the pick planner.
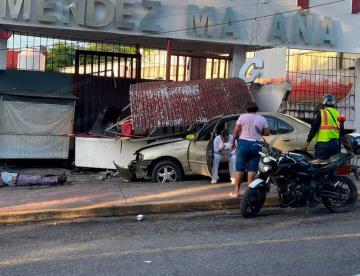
(223, 152)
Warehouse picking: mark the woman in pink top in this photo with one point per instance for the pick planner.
(249, 129)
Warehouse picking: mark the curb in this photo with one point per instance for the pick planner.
(124, 210)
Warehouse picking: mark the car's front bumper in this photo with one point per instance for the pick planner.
(140, 169)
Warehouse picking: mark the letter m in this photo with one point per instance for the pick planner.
(15, 8)
(201, 22)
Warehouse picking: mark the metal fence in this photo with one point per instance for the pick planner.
(27, 51)
(314, 74)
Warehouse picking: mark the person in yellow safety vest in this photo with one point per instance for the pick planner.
(327, 129)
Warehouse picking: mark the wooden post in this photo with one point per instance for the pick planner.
(168, 59)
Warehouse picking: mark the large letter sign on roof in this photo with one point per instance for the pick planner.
(201, 22)
(230, 27)
(124, 10)
(252, 64)
(278, 29)
(106, 19)
(326, 33)
(76, 9)
(42, 7)
(300, 30)
(14, 7)
(147, 24)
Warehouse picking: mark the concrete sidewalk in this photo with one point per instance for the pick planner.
(86, 196)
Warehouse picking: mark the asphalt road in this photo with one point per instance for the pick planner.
(280, 242)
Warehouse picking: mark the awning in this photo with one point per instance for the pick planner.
(39, 94)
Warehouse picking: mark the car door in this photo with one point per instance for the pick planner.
(283, 136)
(200, 150)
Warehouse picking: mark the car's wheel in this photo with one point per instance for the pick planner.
(166, 171)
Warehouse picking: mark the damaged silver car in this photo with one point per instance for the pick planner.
(170, 160)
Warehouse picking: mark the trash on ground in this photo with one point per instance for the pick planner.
(140, 217)
(107, 175)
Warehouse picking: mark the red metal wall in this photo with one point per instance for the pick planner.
(355, 6)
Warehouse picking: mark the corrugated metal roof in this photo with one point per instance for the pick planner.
(162, 104)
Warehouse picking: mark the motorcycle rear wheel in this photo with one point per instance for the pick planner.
(347, 188)
(252, 202)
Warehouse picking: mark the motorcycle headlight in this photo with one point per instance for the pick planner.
(264, 168)
(265, 165)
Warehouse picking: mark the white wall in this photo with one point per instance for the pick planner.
(274, 62)
(172, 19)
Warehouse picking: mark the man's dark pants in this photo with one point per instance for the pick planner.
(324, 150)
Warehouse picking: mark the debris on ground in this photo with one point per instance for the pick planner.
(106, 176)
(140, 217)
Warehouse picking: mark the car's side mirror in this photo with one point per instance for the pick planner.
(191, 137)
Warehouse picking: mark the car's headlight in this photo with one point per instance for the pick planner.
(140, 157)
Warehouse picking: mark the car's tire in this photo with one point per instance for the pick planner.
(166, 171)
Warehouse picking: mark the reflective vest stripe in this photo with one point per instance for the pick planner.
(328, 127)
(337, 123)
(324, 116)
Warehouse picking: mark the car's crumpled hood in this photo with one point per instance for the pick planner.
(163, 142)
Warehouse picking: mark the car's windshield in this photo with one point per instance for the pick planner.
(297, 120)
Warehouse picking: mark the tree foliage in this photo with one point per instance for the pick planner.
(59, 56)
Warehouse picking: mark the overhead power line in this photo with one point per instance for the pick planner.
(250, 18)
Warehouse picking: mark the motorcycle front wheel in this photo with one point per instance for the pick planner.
(252, 201)
(345, 195)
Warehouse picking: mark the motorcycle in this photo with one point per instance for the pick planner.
(300, 182)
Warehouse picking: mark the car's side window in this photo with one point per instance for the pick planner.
(283, 127)
(230, 125)
(278, 126)
(272, 122)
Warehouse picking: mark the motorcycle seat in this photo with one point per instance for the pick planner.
(332, 159)
(319, 162)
